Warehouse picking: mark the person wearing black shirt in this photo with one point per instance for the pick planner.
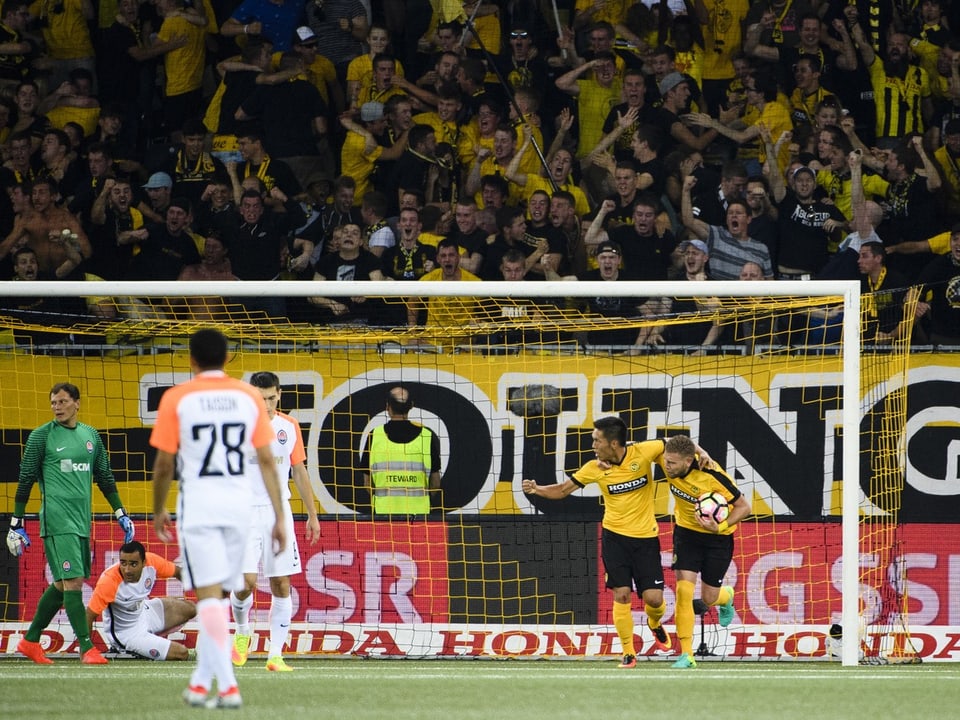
(634, 95)
(646, 251)
(884, 293)
(350, 262)
(468, 234)
(409, 259)
(940, 295)
(609, 257)
(168, 247)
(804, 226)
(294, 118)
(411, 170)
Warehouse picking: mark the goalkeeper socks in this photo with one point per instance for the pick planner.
(241, 612)
(685, 616)
(623, 622)
(723, 598)
(49, 605)
(281, 611)
(655, 613)
(77, 614)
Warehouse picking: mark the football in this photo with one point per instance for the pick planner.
(713, 505)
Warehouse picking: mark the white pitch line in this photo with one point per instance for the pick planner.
(684, 675)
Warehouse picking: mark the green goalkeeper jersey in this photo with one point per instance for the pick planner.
(65, 461)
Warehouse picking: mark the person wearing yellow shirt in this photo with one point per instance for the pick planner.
(360, 151)
(360, 72)
(596, 96)
(586, 12)
(443, 120)
(631, 537)
(721, 21)
(383, 86)
(901, 90)
(446, 313)
(496, 163)
(317, 68)
(947, 160)
(560, 164)
(66, 35)
(183, 66)
(73, 102)
(485, 28)
(762, 93)
(701, 545)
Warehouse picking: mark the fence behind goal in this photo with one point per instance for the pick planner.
(511, 379)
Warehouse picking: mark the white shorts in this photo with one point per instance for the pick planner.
(140, 638)
(213, 556)
(260, 545)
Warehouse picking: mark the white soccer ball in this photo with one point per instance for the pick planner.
(713, 505)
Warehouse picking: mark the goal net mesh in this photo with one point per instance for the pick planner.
(511, 386)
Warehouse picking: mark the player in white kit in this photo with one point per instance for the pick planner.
(132, 620)
(289, 455)
(211, 426)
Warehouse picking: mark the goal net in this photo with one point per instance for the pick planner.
(770, 377)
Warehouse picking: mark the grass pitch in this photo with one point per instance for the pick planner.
(467, 689)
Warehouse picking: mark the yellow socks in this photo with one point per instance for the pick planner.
(685, 617)
(724, 597)
(623, 622)
(654, 614)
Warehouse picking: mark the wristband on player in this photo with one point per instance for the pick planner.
(15, 522)
(722, 526)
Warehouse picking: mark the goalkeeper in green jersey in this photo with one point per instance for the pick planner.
(64, 456)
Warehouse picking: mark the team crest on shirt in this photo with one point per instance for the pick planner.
(634, 466)
(282, 437)
(66, 565)
(154, 654)
(148, 583)
(89, 446)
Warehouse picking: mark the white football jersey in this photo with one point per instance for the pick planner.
(287, 448)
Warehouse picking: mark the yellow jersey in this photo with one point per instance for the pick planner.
(627, 489)
(687, 489)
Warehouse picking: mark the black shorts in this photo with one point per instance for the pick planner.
(632, 562)
(704, 553)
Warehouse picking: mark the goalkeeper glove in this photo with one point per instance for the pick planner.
(126, 524)
(17, 539)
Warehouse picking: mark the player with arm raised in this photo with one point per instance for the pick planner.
(132, 620)
(64, 456)
(630, 540)
(210, 426)
(289, 456)
(701, 545)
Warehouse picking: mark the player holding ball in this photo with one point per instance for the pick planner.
(701, 544)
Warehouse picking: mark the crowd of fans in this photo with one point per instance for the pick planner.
(335, 140)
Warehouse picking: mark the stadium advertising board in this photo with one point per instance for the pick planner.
(385, 589)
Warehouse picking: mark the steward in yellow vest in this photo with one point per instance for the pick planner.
(404, 461)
